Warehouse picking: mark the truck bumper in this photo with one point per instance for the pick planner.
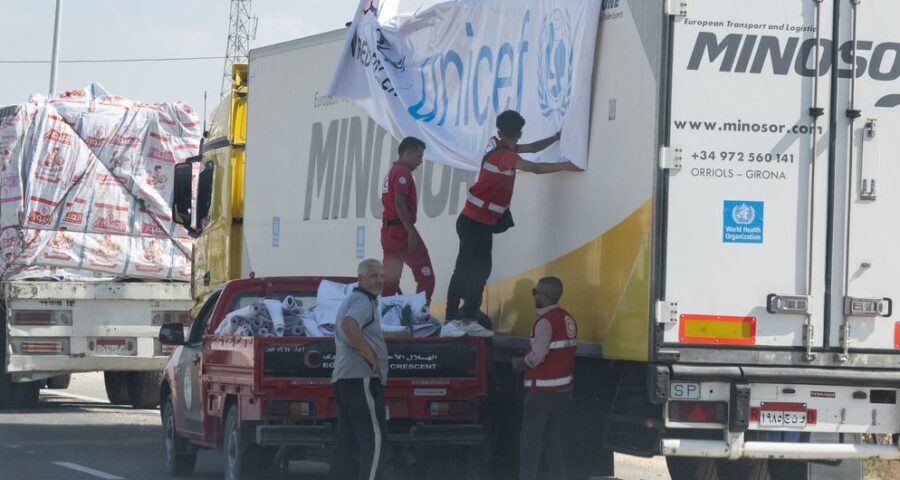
(737, 449)
(317, 435)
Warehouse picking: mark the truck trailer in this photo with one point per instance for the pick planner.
(724, 252)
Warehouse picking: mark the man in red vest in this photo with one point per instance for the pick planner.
(400, 241)
(488, 201)
(549, 367)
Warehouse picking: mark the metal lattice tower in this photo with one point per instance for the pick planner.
(241, 29)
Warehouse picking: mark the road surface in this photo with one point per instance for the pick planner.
(75, 434)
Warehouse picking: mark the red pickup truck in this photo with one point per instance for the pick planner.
(265, 401)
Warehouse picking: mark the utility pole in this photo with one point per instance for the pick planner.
(241, 29)
(55, 57)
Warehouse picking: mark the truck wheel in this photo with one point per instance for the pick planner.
(59, 382)
(5, 388)
(691, 468)
(177, 463)
(25, 394)
(243, 459)
(742, 469)
(143, 389)
(116, 387)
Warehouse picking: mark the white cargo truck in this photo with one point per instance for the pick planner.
(57, 328)
(91, 263)
(729, 252)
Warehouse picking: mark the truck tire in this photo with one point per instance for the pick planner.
(742, 469)
(177, 463)
(25, 394)
(116, 387)
(59, 382)
(143, 389)
(243, 459)
(5, 388)
(691, 468)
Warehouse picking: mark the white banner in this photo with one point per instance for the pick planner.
(446, 72)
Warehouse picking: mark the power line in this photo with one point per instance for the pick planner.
(115, 60)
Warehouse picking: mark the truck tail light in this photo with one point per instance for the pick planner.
(160, 318)
(164, 350)
(698, 412)
(285, 409)
(40, 346)
(41, 317)
(457, 409)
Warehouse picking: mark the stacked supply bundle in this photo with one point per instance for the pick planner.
(265, 318)
(86, 185)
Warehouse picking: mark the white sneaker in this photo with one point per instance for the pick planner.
(474, 329)
(452, 329)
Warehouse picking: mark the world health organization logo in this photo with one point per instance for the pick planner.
(555, 62)
(743, 214)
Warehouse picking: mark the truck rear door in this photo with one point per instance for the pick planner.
(746, 173)
(866, 260)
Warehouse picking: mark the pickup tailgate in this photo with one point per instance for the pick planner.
(420, 369)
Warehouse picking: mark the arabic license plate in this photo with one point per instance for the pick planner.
(768, 418)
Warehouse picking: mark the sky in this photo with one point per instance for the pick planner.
(115, 29)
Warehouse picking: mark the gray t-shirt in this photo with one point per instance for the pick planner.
(348, 362)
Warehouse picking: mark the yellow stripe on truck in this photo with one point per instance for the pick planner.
(607, 290)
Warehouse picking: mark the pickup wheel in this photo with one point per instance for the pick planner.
(25, 394)
(243, 459)
(59, 382)
(116, 387)
(177, 463)
(143, 389)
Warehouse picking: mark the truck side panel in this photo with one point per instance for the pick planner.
(316, 165)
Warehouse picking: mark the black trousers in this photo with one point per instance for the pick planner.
(541, 437)
(473, 267)
(361, 436)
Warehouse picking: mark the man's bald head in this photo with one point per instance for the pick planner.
(552, 288)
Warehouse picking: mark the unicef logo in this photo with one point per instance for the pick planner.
(743, 214)
(555, 65)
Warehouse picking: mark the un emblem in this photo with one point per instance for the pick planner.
(555, 61)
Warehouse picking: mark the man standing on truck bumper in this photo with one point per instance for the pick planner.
(359, 376)
(486, 205)
(549, 367)
(400, 241)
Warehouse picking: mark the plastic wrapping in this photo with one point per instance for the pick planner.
(86, 184)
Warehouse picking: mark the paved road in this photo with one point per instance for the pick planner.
(76, 434)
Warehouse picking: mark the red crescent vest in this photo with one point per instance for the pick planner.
(491, 195)
(556, 373)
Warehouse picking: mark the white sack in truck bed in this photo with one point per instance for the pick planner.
(87, 184)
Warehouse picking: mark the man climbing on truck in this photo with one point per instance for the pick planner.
(487, 210)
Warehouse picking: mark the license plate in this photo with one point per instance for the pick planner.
(112, 346)
(782, 419)
(684, 391)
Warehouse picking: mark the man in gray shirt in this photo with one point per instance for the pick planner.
(359, 376)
